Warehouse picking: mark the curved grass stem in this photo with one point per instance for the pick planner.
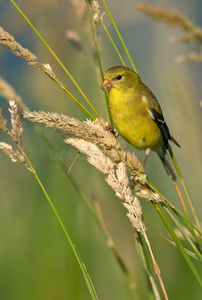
(57, 59)
(119, 35)
(187, 195)
(98, 58)
(78, 258)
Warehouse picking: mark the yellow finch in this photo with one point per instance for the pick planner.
(137, 115)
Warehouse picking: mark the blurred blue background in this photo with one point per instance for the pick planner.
(36, 261)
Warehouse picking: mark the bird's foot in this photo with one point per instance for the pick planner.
(146, 155)
(110, 128)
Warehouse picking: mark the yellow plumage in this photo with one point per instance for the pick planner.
(136, 113)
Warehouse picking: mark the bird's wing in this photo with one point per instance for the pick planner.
(159, 119)
(156, 114)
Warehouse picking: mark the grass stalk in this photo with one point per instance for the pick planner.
(187, 195)
(76, 254)
(57, 59)
(98, 58)
(119, 35)
(178, 243)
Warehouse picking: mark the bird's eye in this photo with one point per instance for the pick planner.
(119, 77)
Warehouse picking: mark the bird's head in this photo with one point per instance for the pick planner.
(121, 78)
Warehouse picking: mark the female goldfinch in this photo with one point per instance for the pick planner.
(137, 115)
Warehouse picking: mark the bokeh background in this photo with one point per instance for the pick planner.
(36, 261)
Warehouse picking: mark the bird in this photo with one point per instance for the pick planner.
(137, 115)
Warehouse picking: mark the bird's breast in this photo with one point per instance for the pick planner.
(133, 122)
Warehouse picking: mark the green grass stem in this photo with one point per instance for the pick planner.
(58, 60)
(77, 256)
(119, 35)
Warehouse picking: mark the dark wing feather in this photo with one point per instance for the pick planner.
(157, 115)
(159, 119)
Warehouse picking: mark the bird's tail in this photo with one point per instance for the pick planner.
(168, 165)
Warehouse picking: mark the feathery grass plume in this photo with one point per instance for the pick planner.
(3, 122)
(131, 202)
(171, 17)
(192, 57)
(48, 70)
(94, 155)
(95, 5)
(74, 40)
(96, 16)
(175, 18)
(116, 177)
(14, 155)
(95, 133)
(92, 132)
(15, 133)
(147, 194)
(17, 128)
(105, 153)
(8, 41)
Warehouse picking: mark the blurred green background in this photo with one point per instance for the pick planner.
(36, 261)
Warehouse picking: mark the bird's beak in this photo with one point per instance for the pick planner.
(106, 84)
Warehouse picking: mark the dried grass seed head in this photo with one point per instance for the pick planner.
(8, 41)
(17, 128)
(89, 131)
(3, 122)
(14, 155)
